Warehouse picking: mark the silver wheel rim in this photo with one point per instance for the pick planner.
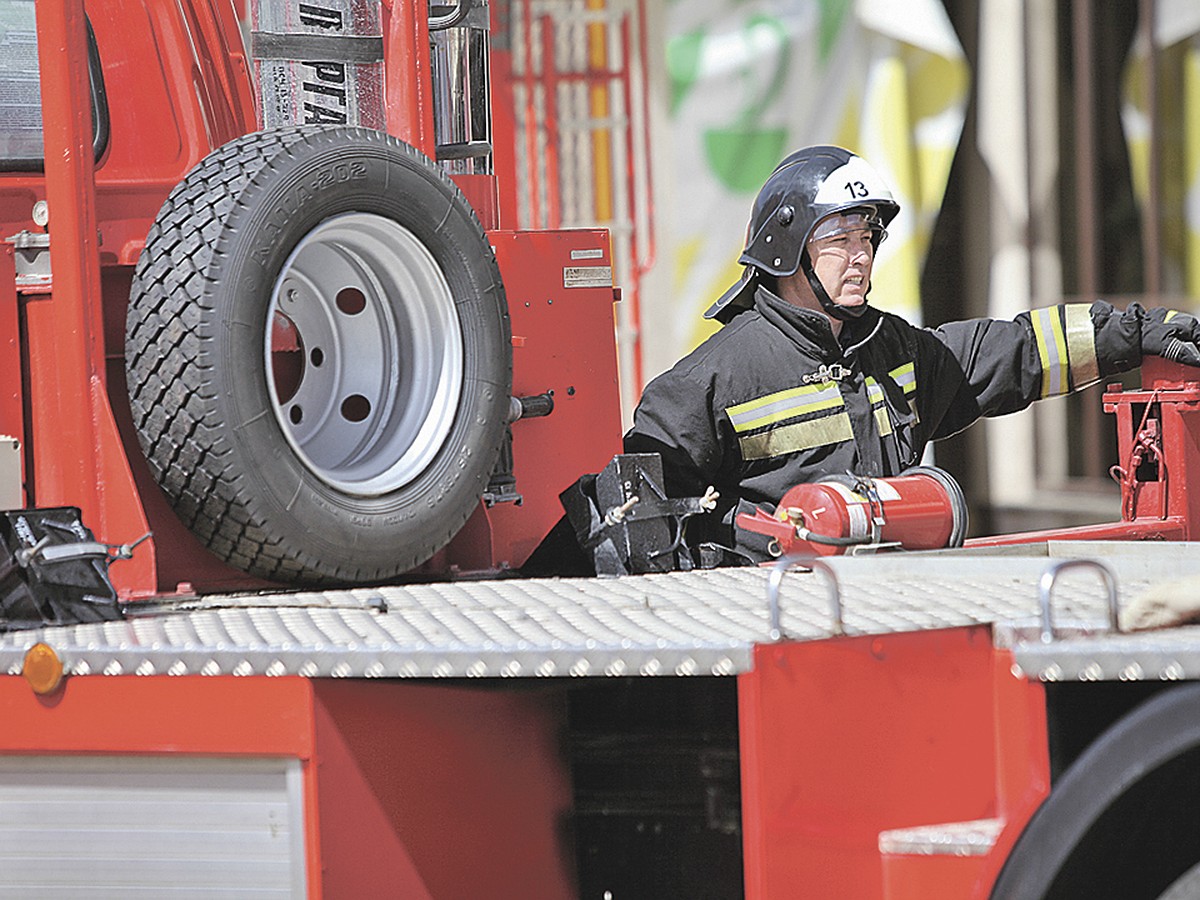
(364, 354)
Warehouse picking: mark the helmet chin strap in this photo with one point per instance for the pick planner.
(842, 313)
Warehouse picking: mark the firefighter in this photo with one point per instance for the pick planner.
(807, 379)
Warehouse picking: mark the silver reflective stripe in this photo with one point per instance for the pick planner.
(783, 405)
(906, 377)
(1052, 350)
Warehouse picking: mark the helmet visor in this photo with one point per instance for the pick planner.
(864, 219)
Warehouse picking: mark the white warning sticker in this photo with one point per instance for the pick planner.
(858, 520)
(587, 276)
(886, 492)
(587, 254)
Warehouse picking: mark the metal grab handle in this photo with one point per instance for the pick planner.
(1050, 576)
(775, 579)
(451, 19)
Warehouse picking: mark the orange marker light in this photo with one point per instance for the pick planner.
(42, 668)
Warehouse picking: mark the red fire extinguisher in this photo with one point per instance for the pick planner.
(922, 508)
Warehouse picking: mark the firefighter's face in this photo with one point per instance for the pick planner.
(843, 261)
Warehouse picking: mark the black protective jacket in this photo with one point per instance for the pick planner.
(774, 399)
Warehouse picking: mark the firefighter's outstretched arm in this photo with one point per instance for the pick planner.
(1003, 366)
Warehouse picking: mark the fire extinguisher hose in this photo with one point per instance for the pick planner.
(833, 541)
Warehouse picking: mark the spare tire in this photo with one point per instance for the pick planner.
(319, 355)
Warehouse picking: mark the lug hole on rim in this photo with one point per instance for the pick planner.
(355, 408)
(286, 357)
(317, 356)
(296, 414)
(351, 301)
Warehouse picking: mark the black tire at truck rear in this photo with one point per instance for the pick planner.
(1121, 820)
(319, 355)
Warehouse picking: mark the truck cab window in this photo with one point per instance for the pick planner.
(21, 147)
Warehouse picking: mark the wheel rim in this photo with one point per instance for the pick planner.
(364, 354)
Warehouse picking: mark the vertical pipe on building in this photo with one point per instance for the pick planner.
(1085, 150)
(1030, 231)
(1029, 235)
(1085, 207)
(1040, 235)
(1151, 229)
(1011, 462)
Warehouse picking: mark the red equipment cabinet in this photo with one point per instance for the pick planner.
(396, 785)
(933, 725)
(560, 299)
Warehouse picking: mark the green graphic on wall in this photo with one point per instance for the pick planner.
(753, 80)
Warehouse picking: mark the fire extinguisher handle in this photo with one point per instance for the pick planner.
(775, 581)
(767, 525)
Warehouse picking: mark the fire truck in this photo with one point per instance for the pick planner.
(289, 402)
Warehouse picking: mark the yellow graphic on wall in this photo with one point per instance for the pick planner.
(1177, 34)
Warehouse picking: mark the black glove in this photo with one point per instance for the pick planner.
(1171, 335)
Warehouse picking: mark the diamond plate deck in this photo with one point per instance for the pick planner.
(694, 623)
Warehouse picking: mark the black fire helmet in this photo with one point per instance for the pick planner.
(808, 186)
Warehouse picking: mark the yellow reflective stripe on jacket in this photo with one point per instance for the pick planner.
(829, 423)
(827, 429)
(1081, 345)
(906, 377)
(784, 405)
(1052, 350)
(875, 394)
